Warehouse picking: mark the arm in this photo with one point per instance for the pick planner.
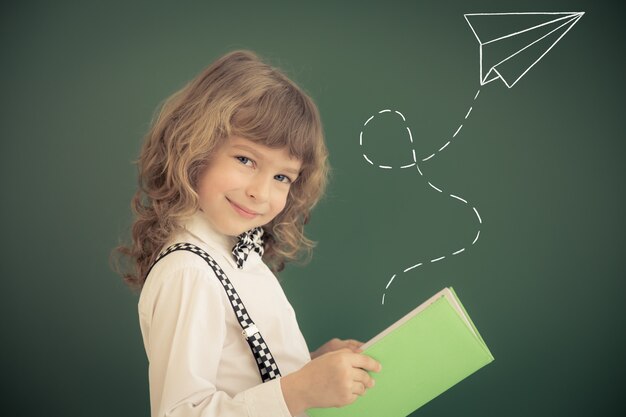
(186, 336)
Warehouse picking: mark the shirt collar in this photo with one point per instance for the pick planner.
(201, 227)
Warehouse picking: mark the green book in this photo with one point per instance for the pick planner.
(423, 354)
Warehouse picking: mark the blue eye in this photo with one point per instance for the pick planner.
(283, 178)
(244, 160)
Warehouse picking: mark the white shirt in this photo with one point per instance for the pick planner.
(199, 362)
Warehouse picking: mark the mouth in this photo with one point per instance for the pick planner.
(243, 211)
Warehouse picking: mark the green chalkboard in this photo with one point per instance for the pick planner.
(538, 169)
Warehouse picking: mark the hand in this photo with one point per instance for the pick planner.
(334, 379)
(337, 344)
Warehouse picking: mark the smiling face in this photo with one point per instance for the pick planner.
(245, 185)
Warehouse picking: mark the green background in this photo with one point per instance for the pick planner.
(542, 162)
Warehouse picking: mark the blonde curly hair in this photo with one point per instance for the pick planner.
(236, 95)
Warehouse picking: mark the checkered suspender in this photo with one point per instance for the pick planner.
(264, 359)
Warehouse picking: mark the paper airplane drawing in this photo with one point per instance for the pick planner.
(512, 43)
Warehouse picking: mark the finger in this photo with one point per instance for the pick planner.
(363, 377)
(358, 388)
(352, 344)
(366, 362)
(355, 342)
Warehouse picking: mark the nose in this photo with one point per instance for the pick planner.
(259, 188)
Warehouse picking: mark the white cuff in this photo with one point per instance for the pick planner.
(266, 400)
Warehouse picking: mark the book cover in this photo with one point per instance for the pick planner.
(423, 354)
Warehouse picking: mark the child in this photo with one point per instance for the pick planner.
(230, 169)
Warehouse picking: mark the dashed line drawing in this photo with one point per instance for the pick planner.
(416, 165)
(458, 198)
(556, 25)
(411, 267)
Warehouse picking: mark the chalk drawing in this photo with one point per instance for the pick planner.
(557, 24)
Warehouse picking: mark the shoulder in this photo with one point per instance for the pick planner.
(183, 250)
(181, 279)
(181, 255)
(179, 267)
